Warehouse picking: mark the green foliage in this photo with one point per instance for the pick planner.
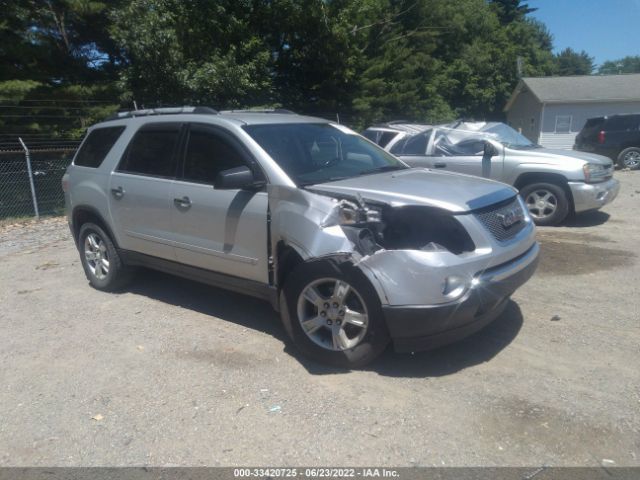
(629, 64)
(68, 63)
(192, 52)
(570, 62)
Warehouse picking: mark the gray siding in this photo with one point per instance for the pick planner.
(580, 112)
(524, 115)
(577, 114)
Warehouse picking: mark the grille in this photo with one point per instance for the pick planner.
(492, 218)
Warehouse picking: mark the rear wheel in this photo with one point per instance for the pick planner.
(102, 264)
(629, 158)
(333, 314)
(547, 202)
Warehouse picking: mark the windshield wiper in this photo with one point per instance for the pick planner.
(324, 180)
(385, 168)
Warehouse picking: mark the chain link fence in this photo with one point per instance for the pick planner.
(31, 171)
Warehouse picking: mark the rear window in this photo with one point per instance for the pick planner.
(594, 122)
(96, 146)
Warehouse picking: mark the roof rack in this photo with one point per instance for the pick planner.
(261, 110)
(162, 111)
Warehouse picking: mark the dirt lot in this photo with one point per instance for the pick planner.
(175, 373)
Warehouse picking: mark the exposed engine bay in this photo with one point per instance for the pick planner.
(374, 226)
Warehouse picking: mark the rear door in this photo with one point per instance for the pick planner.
(140, 199)
(220, 230)
(620, 130)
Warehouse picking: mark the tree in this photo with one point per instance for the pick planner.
(55, 53)
(510, 11)
(629, 64)
(196, 52)
(570, 62)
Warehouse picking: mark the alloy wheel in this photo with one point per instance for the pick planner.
(95, 253)
(541, 204)
(631, 159)
(332, 314)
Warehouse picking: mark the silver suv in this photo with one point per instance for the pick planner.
(553, 183)
(352, 247)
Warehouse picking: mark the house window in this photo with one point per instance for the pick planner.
(563, 123)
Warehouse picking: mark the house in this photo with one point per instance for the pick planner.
(552, 110)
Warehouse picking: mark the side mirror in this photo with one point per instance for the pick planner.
(236, 178)
(489, 150)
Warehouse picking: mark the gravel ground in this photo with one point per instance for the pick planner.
(171, 372)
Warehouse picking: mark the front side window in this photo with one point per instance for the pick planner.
(152, 151)
(95, 148)
(456, 143)
(208, 153)
(321, 152)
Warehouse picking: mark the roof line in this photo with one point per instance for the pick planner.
(579, 76)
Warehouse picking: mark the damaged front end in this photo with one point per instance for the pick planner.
(412, 254)
(372, 227)
(434, 270)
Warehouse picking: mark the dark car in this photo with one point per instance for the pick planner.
(616, 137)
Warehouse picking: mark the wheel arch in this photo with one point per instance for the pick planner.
(83, 214)
(560, 180)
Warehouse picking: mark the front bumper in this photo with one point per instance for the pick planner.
(591, 196)
(423, 327)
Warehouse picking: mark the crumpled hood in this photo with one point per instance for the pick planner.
(454, 192)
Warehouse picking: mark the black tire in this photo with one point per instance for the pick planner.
(117, 275)
(632, 163)
(375, 337)
(545, 216)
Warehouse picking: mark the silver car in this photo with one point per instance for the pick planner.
(352, 247)
(553, 183)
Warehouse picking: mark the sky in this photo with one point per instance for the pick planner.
(605, 29)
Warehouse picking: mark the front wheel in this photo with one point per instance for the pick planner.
(629, 158)
(547, 203)
(333, 314)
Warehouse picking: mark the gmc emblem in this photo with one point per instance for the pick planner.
(511, 217)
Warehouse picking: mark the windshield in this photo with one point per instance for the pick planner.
(321, 152)
(509, 137)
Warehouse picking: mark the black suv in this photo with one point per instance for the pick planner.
(617, 137)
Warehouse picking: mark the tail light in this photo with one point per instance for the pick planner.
(65, 183)
(601, 136)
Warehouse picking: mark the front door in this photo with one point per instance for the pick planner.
(220, 230)
(140, 190)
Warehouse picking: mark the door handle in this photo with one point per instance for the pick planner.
(117, 192)
(184, 202)
(440, 165)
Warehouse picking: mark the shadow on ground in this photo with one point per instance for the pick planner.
(476, 349)
(591, 218)
(258, 315)
(233, 307)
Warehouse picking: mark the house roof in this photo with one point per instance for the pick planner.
(583, 88)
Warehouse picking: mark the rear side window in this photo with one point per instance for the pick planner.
(385, 138)
(152, 151)
(95, 148)
(208, 153)
(416, 145)
(623, 123)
